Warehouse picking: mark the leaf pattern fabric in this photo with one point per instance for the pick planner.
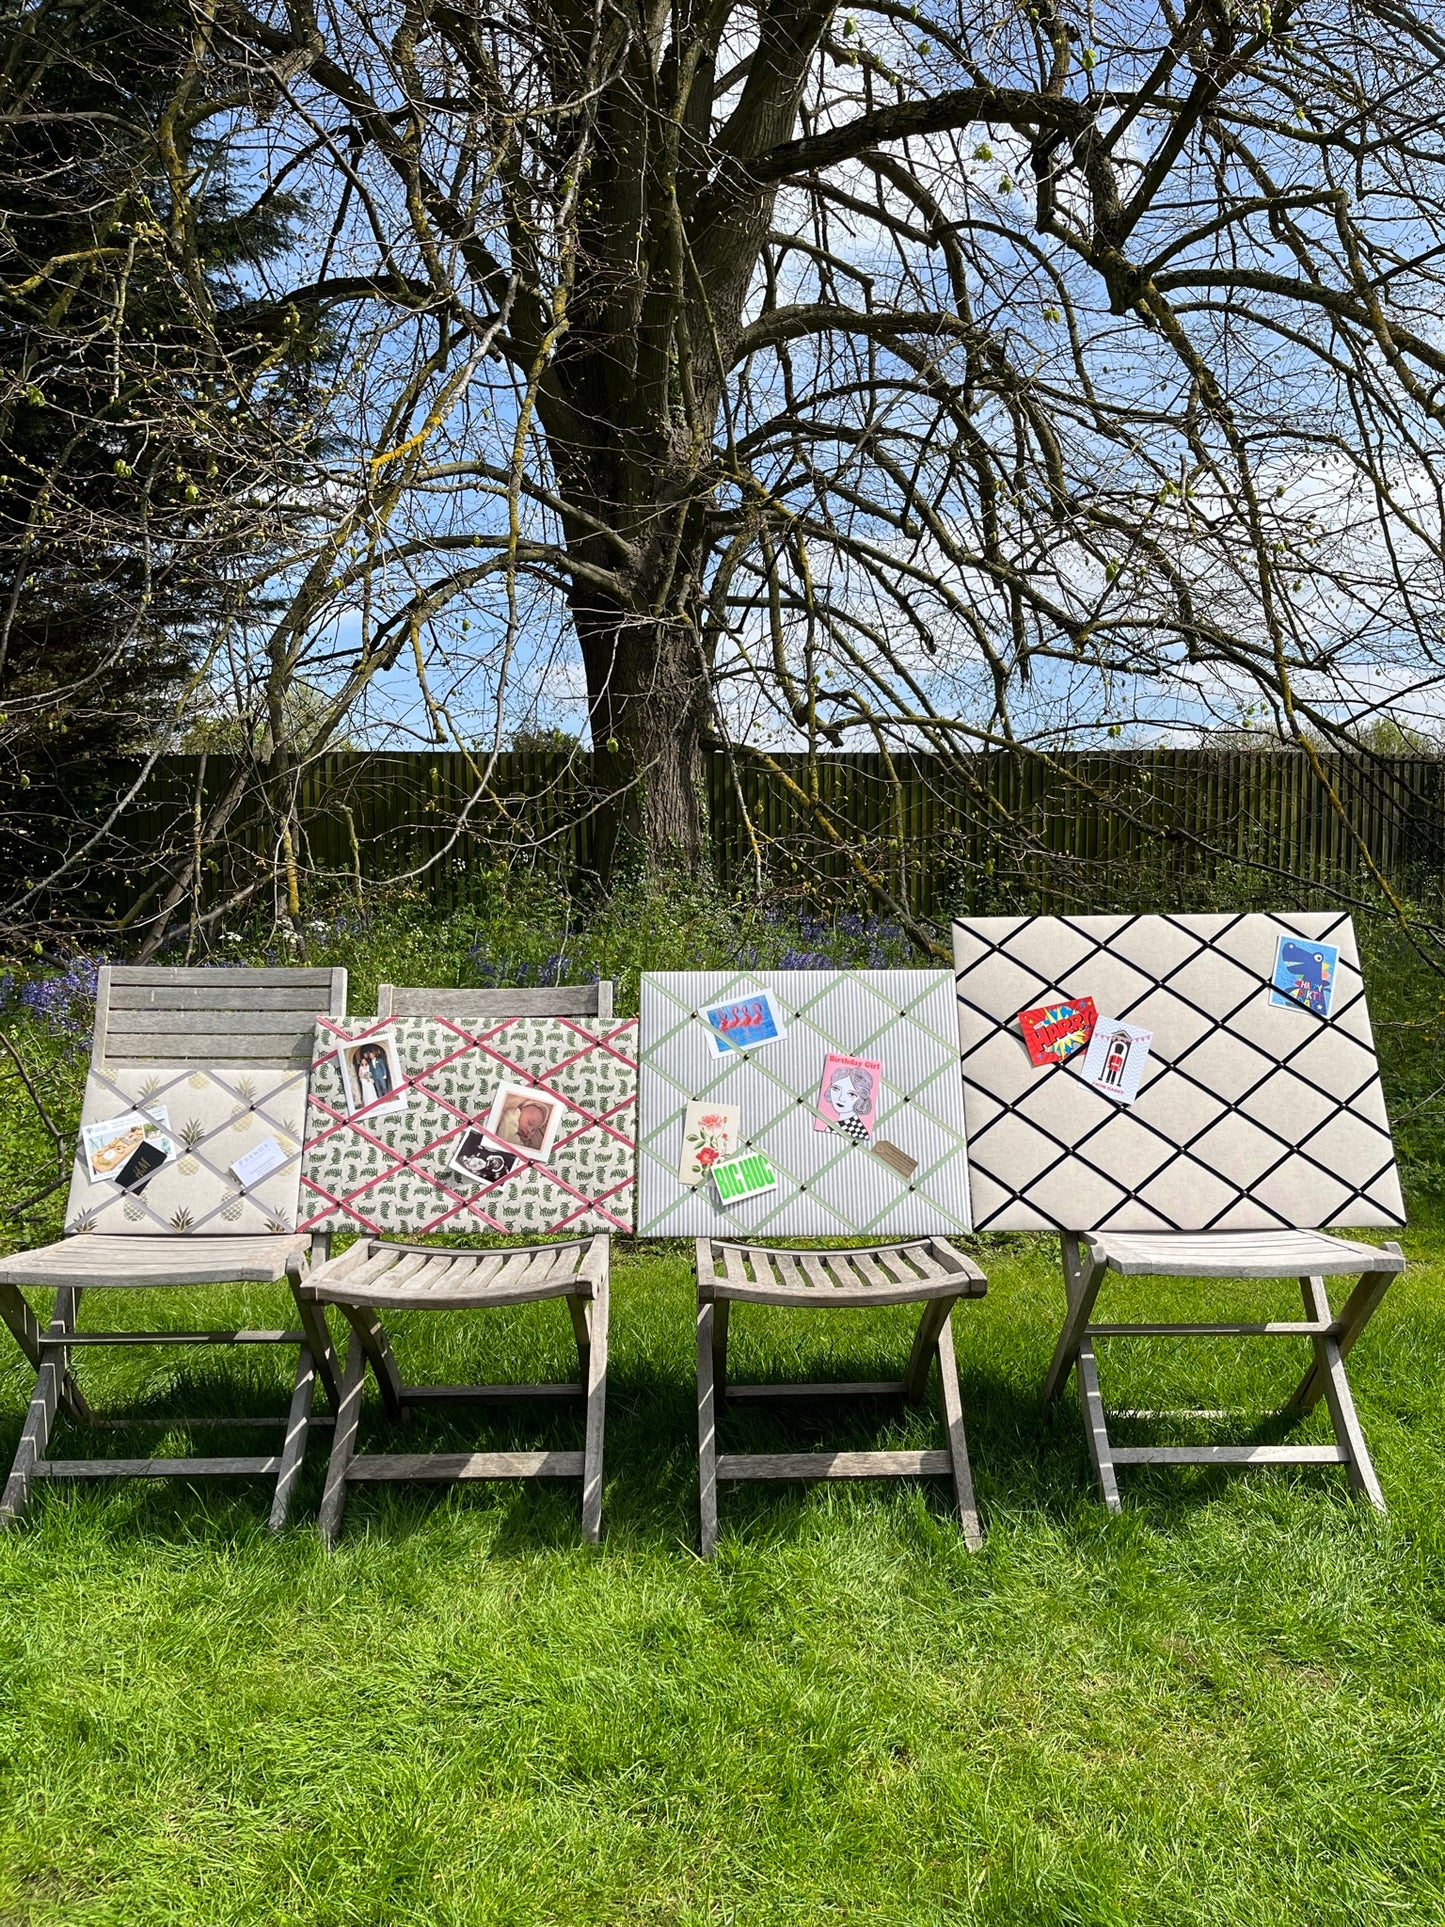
(391, 1174)
(214, 1117)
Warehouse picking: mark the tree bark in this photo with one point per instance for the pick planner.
(648, 707)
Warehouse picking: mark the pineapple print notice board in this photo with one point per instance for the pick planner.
(424, 1124)
(202, 1151)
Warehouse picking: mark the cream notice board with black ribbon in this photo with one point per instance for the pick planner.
(1222, 1076)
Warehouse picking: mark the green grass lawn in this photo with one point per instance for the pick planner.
(1227, 1705)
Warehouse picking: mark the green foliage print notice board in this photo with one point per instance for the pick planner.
(847, 1081)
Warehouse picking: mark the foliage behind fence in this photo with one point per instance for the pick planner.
(984, 830)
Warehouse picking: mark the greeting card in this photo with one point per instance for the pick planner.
(1304, 975)
(1116, 1058)
(709, 1131)
(848, 1095)
(744, 1023)
(1056, 1032)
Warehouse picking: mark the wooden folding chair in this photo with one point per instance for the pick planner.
(205, 1021)
(1258, 1130)
(928, 1272)
(374, 1275)
(1309, 1256)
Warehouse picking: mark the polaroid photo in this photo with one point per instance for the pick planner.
(709, 1132)
(526, 1117)
(848, 1096)
(371, 1073)
(1116, 1058)
(110, 1143)
(744, 1023)
(477, 1157)
(1304, 975)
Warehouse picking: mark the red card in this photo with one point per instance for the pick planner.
(1055, 1032)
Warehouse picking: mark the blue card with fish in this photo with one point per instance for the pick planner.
(1304, 975)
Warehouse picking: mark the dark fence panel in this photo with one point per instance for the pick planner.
(1075, 827)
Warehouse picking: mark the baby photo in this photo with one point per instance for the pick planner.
(371, 1072)
(526, 1117)
(849, 1094)
(480, 1159)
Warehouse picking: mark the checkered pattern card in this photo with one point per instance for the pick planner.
(423, 1124)
(847, 1084)
(205, 1152)
(1253, 1111)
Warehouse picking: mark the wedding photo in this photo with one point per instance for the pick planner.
(371, 1072)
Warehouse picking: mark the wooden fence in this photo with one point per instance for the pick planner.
(985, 831)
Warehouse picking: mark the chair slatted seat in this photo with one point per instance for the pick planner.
(205, 1020)
(376, 1275)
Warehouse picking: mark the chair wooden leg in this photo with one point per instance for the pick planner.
(706, 1432)
(721, 1308)
(373, 1340)
(318, 1340)
(595, 1378)
(582, 1334)
(1330, 1367)
(1082, 1279)
(343, 1444)
(35, 1436)
(1357, 1312)
(964, 1500)
(925, 1346)
(16, 1313)
(293, 1447)
(1096, 1429)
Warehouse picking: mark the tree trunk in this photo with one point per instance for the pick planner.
(648, 707)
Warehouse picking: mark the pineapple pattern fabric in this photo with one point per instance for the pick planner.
(390, 1172)
(212, 1117)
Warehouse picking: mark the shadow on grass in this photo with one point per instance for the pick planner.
(1027, 1458)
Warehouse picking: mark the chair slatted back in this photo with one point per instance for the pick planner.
(486, 1006)
(149, 1014)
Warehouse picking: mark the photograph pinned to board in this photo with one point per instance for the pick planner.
(709, 1132)
(109, 1145)
(743, 1023)
(526, 1117)
(371, 1074)
(848, 1096)
(1116, 1058)
(477, 1157)
(748, 1176)
(1304, 975)
(1056, 1032)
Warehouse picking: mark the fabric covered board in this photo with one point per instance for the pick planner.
(568, 1168)
(1250, 1113)
(824, 1121)
(212, 1118)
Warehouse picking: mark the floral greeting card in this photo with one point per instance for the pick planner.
(709, 1131)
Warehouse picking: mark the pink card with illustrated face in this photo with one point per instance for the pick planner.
(848, 1096)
